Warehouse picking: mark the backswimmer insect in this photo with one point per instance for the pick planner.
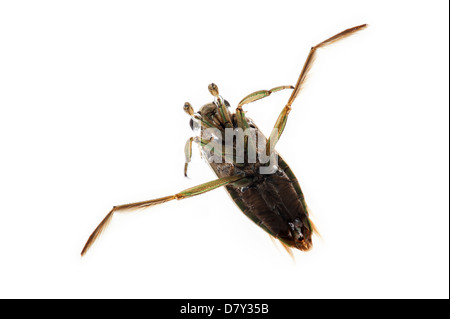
(257, 179)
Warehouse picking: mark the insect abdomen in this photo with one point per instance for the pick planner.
(275, 202)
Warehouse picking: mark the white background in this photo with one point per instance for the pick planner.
(91, 96)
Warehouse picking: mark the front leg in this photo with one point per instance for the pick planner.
(262, 94)
(187, 154)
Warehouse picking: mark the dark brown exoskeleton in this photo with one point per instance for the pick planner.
(258, 180)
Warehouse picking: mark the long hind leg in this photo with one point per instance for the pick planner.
(190, 192)
(282, 118)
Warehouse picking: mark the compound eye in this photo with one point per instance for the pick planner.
(195, 126)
